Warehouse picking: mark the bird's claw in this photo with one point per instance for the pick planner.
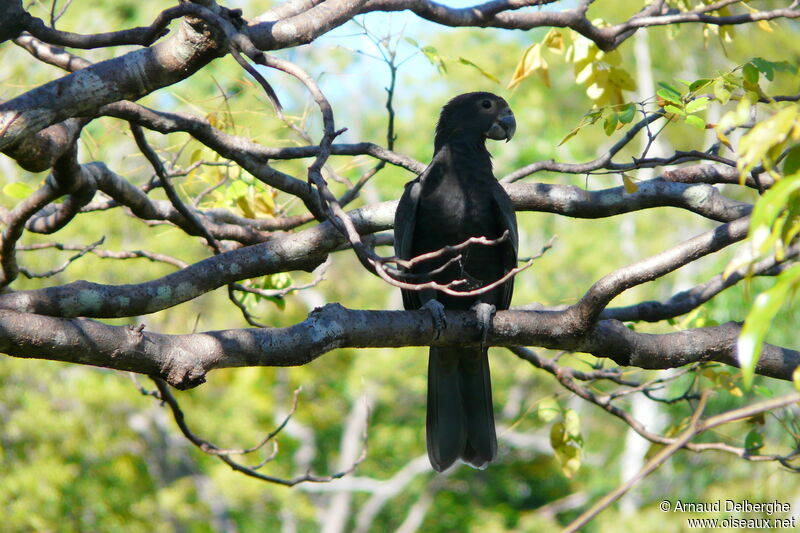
(436, 310)
(484, 312)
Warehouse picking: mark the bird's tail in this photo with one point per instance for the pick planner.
(460, 421)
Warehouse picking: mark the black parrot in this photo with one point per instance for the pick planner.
(455, 198)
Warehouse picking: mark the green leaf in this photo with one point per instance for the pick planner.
(265, 203)
(699, 84)
(412, 42)
(18, 190)
(750, 73)
(433, 56)
(279, 301)
(572, 423)
(279, 280)
(627, 113)
(610, 123)
(754, 440)
(465, 61)
(764, 67)
(698, 104)
(567, 442)
(669, 92)
(766, 306)
(768, 68)
(721, 92)
(791, 163)
(670, 96)
(773, 202)
(548, 409)
(674, 110)
(766, 392)
(696, 121)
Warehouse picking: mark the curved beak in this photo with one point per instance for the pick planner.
(504, 127)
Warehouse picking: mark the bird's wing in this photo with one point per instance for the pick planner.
(405, 220)
(504, 210)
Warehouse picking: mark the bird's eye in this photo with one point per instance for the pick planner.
(486, 104)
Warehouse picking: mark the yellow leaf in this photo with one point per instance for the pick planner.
(763, 24)
(612, 58)
(596, 90)
(212, 119)
(572, 423)
(628, 183)
(586, 74)
(244, 204)
(721, 137)
(757, 144)
(530, 62)
(548, 409)
(726, 34)
(796, 131)
(569, 135)
(621, 78)
(191, 176)
(265, 204)
(557, 435)
(554, 40)
(583, 50)
(544, 72)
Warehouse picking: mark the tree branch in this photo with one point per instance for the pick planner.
(604, 290)
(127, 77)
(184, 360)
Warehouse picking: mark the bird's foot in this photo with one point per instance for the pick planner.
(484, 312)
(436, 310)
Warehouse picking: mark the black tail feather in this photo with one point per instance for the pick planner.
(460, 420)
(476, 393)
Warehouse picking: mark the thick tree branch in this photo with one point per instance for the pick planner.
(97, 176)
(307, 249)
(702, 199)
(300, 22)
(714, 174)
(184, 360)
(40, 151)
(498, 14)
(128, 77)
(304, 250)
(15, 224)
(143, 35)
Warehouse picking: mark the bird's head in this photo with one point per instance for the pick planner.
(474, 117)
